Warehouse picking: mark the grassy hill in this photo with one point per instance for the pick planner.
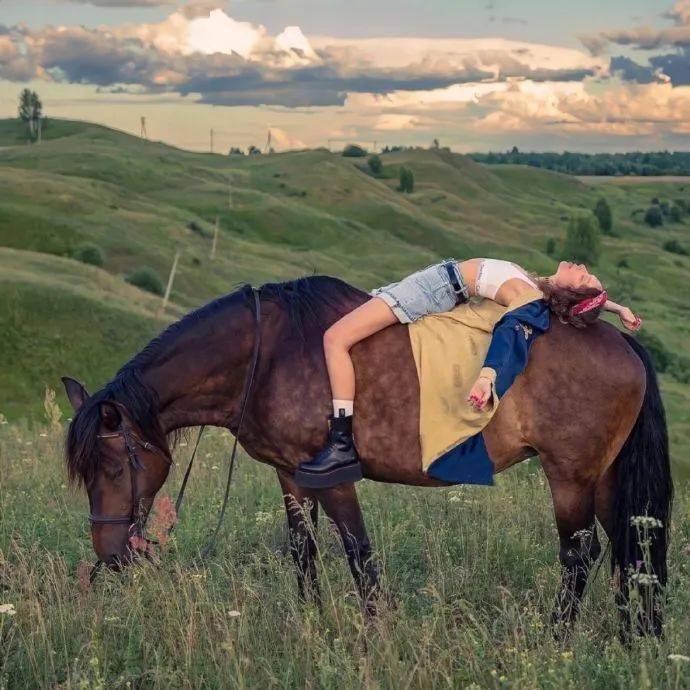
(280, 216)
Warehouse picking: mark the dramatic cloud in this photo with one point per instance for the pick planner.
(201, 50)
(125, 3)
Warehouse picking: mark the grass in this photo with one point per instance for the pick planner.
(472, 573)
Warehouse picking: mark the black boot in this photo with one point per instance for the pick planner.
(337, 463)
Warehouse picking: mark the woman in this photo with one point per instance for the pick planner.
(435, 289)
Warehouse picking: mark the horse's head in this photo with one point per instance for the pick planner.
(121, 464)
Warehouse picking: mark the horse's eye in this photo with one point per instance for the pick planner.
(113, 470)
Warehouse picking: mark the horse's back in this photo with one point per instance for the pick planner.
(576, 401)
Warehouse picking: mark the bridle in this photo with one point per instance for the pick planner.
(130, 438)
(135, 519)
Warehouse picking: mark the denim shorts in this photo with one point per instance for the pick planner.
(429, 291)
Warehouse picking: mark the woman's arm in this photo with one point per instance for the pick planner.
(630, 320)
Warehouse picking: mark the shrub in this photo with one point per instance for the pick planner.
(89, 254)
(550, 246)
(675, 247)
(623, 263)
(675, 213)
(661, 356)
(653, 217)
(603, 213)
(375, 164)
(406, 181)
(354, 151)
(146, 279)
(582, 239)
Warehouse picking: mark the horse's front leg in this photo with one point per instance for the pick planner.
(302, 514)
(579, 547)
(342, 506)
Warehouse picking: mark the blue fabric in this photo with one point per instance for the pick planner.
(513, 335)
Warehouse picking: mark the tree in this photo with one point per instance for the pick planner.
(253, 151)
(30, 109)
(551, 246)
(654, 217)
(406, 181)
(375, 164)
(436, 144)
(675, 213)
(582, 239)
(602, 211)
(354, 151)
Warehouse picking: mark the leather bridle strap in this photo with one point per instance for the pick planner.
(248, 386)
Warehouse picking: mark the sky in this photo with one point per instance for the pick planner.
(476, 75)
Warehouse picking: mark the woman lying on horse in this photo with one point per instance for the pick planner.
(573, 294)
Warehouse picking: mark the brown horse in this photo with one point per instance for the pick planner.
(587, 404)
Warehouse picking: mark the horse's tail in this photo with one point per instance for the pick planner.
(642, 512)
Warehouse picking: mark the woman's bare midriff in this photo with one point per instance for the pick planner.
(509, 291)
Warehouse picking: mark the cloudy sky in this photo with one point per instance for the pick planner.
(475, 74)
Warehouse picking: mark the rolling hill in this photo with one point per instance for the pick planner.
(280, 216)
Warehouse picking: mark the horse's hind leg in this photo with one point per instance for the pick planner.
(579, 547)
(342, 506)
(302, 514)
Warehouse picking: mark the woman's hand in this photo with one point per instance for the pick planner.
(631, 321)
(480, 394)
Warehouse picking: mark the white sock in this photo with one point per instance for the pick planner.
(347, 405)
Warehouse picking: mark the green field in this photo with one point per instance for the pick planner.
(472, 571)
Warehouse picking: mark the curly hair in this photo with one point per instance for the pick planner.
(561, 301)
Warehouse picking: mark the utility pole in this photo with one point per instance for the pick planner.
(215, 239)
(168, 287)
(211, 140)
(143, 133)
(40, 129)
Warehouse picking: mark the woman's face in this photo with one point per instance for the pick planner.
(575, 277)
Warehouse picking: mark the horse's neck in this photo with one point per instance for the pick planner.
(199, 379)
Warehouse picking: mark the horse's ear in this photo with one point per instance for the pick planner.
(110, 416)
(76, 392)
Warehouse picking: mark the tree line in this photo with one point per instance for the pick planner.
(632, 163)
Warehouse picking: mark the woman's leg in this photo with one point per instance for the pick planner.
(367, 319)
(338, 462)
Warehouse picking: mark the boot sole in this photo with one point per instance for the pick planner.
(326, 480)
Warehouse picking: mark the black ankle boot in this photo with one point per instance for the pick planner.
(337, 463)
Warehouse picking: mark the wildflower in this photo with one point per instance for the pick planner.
(644, 579)
(567, 656)
(111, 619)
(163, 517)
(678, 657)
(214, 467)
(234, 614)
(582, 534)
(8, 609)
(645, 521)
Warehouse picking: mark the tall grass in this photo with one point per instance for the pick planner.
(469, 578)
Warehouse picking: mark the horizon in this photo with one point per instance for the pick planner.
(476, 76)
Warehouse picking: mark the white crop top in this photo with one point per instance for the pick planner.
(493, 273)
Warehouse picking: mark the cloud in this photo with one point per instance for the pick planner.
(125, 3)
(679, 13)
(201, 50)
(629, 70)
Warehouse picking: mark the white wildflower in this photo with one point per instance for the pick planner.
(644, 579)
(645, 521)
(678, 657)
(8, 609)
(234, 614)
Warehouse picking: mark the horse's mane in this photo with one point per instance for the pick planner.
(312, 304)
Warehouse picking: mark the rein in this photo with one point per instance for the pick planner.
(135, 519)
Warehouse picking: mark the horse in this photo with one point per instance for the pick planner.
(587, 404)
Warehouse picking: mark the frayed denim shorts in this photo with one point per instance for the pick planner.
(429, 291)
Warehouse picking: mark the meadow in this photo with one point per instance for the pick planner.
(469, 573)
(469, 577)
